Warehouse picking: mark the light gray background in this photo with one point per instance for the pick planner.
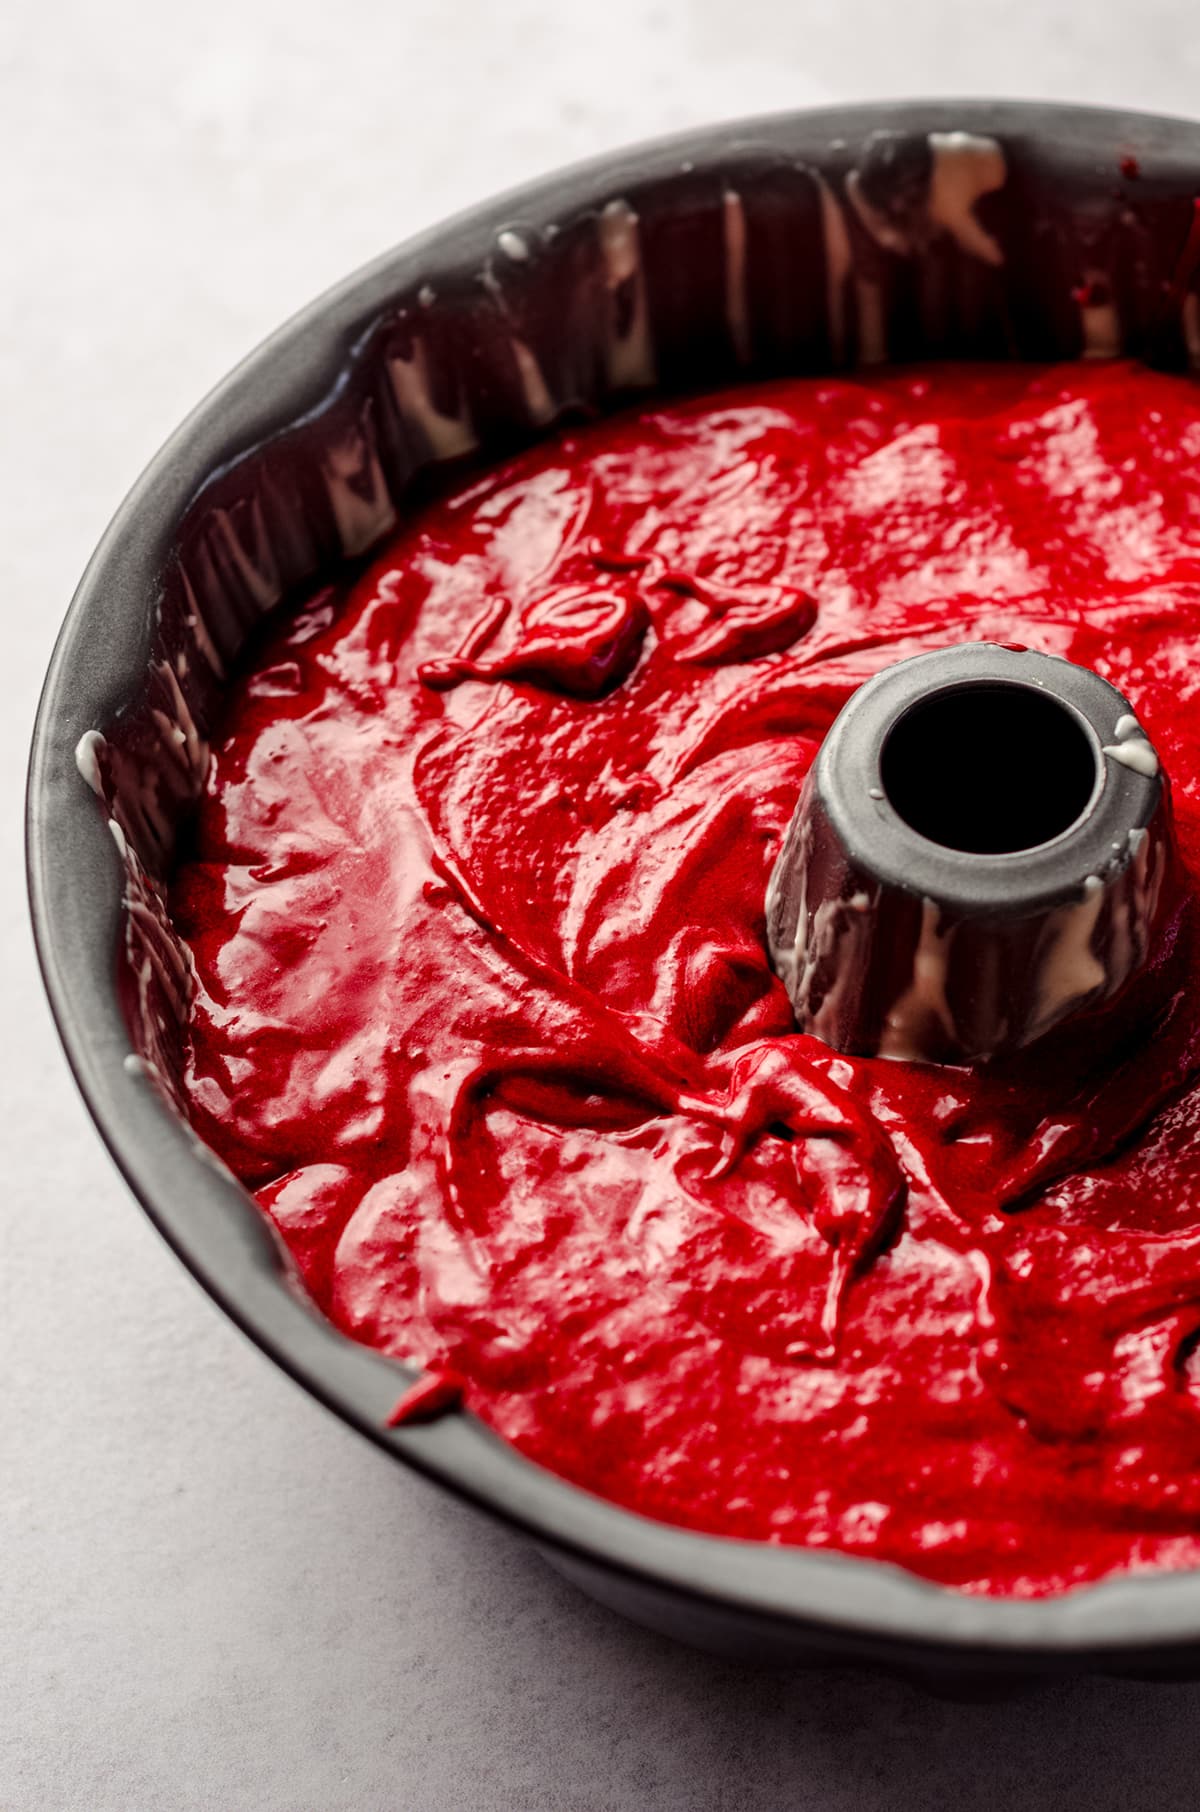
(211, 1594)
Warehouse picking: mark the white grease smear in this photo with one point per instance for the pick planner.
(258, 571)
(905, 1033)
(1133, 748)
(965, 168)
(199, 628)
(736, 312)
(194, 748)
(1070, 970)
(448, 435)
(538, 399)
(881, 229)
(1138, 755)
(362, 504)
(630, 357)
(87, 759)
(1099, 321)
(839, 259)
(872, 331)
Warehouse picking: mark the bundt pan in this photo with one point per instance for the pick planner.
(801, 243)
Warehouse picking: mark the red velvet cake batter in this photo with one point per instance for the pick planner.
(484, 1014)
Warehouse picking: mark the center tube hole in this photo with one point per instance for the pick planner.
(989, 768)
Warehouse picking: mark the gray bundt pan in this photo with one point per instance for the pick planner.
(800, 243)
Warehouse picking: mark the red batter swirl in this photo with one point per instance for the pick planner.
(485, 1019)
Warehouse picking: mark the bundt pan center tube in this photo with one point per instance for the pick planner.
(804, 243)
(981, 853)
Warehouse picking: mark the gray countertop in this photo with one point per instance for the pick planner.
(211, 1594)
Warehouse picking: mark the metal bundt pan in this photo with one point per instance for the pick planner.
(802, 243)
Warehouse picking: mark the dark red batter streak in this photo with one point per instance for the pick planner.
(430, 1396)
(484, 1015)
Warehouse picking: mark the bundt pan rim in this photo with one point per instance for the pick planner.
(307, 404)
